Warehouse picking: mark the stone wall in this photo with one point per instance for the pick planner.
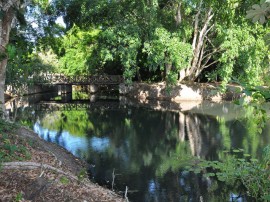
(180, 92)
(29, 90)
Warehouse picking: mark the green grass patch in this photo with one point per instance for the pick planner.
(12, 146)
(64, 180)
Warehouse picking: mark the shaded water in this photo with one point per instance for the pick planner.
(144, 149)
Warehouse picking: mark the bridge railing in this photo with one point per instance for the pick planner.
(58, 79)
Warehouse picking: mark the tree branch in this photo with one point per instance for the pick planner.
(206, 32)
(205, 66)
(196, 26)
(34, 165)
(216, 50)
(209, 17)
(31, 166)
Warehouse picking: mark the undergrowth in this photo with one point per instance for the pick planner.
(253, 174)
(12, 147)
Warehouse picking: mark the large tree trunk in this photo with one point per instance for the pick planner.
(8, 7)
(201, 29)
(198, 50)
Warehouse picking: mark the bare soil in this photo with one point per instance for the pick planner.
(51, 174)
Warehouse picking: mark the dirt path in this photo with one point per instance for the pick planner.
(51, 174)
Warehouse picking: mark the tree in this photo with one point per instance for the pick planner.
(142, 38)
(138, 39)
(8, 9)
(202, 27)
(76, 50)
(12, 15)
(150, 40)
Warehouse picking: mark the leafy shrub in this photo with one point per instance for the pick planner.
(239, 167)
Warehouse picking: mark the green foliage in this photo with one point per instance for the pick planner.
(243, 55)
(79, 95)
(5, 126)
(75, 122)
(165, 50)
(259, 12)
(12, 147)
(2, 56)
(24, 63)
(225, 132)
(162, 48)
(237, 166)
(181, 157)
(121, 44)
(142, 39)
(256, 119)
(64, 180)
(42, 3)
(124, 45)
(77, 47)
(82, 174)
(21, 70)
(267, 40)
(19, 197)
(11, 151)
(255, 113)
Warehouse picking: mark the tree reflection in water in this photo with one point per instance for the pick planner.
(148, 149)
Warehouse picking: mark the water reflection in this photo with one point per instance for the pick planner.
(148, 149)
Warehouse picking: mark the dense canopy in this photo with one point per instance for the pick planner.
(156, 40)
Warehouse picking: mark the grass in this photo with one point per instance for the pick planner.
(12, 146)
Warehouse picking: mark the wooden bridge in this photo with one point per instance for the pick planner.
(59, 79)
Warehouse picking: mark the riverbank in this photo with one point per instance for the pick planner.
(180, 92)
(36, 170)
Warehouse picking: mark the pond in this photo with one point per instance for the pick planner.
(144, 149)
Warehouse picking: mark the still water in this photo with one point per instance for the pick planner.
(143, 149)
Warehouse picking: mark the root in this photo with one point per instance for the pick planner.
(34, 165)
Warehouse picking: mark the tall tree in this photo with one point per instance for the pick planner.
(202, 26)
(163, 38)
(8, 9)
